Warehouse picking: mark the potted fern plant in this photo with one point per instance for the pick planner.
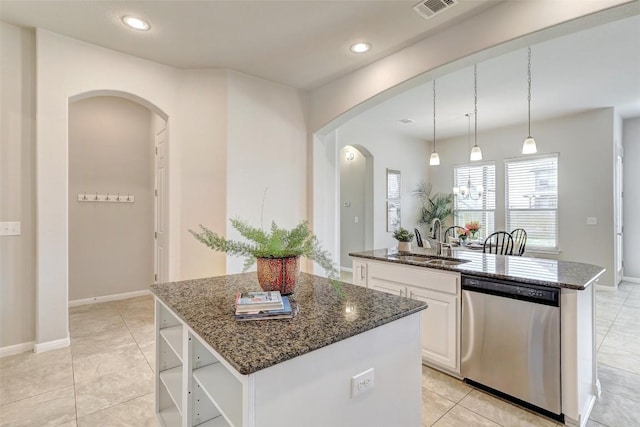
(277, 252)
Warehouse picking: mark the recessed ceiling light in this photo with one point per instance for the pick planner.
(136, 23)
(406, 121)
(360, 47)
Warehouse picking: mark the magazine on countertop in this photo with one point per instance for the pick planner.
(255, 301)
(284, 313)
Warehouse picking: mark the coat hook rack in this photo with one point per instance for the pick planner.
(82, 197)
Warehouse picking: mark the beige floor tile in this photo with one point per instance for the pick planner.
(591, 423)
(86, 324)
(601, 333)
(434, 406)
(138, 319)
(138, 412)
(444, 385)
(113, 389)
(144, 302)
(628, 287)
(502, 412)
(629, 315)
(149, 351)
(460, 417)
(633, 300)
(68, 424)
(623, 338)
(144, 335)
(25, 384)
(44, 410)
(25, 362)
(608, 309)
(87, 368)
(104, 342)
(100, 308)
(616, 411)
(620, 358)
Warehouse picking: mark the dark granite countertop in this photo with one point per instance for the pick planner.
(536, 271)
(324, 318)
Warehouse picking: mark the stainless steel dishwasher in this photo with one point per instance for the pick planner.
(511, 342)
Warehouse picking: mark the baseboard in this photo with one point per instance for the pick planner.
(606, 288)
(107, 298)
(631, 279)
(52, 345)
(10, 350)
(346, 269)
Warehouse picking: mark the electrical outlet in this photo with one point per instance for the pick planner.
(361, 382)
(592, 220)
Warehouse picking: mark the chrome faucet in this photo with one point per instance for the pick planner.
(438, 236)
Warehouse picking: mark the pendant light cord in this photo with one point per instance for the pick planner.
(475, 103)
(529, 82)
(434, 116)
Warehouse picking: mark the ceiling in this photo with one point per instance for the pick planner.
(305, 44)
(594, 68)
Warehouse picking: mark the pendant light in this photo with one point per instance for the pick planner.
(476, 152)
(529, 144)
(464, 192)
(434, 160)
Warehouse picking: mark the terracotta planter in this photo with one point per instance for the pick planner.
(278, 274)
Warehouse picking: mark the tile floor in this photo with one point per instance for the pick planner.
(106, 379)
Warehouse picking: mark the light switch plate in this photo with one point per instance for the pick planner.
(9, 228)
(592, 220)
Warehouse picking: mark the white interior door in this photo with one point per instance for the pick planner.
(619, 220)
(161, 204)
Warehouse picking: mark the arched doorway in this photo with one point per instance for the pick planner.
(117, 201)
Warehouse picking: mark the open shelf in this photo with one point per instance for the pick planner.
(223, 389)
(171, 417)
(216, 422)
(172, 380)
(173, 336)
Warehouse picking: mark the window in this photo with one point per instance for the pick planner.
(474, 208)
(532, 199)
(393, 200)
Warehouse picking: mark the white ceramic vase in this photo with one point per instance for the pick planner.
(404, 246)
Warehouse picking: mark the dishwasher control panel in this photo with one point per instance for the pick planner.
(532, 293)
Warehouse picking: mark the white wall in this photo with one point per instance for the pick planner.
(17, 181)
(353, 198)
(266, 150)
(390, 151)
(110, 151)
(202, 106)
(631, 251)
(585, 178)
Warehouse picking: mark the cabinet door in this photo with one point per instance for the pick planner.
(440, 338)
(388, 287)
(360, 273)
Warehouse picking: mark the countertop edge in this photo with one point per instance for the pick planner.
(460, 269)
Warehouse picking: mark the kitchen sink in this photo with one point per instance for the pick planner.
(429, 260)
(446, 262)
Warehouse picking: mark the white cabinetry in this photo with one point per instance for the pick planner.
(193, 388)
(359, 273)
(440, 329)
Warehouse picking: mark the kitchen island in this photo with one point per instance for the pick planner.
(439, 282)
(212, 370)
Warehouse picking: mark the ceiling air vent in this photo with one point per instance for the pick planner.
(430, 8)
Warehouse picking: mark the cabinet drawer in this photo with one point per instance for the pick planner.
(420, 277)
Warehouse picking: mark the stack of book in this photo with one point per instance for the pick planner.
(262, 306)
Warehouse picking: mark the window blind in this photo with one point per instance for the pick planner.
(482, 209)
(532, 199)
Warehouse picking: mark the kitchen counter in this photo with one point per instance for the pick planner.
(206, 306)
(536, 271)
(317, 368)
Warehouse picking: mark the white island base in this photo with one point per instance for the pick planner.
(196, 386)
